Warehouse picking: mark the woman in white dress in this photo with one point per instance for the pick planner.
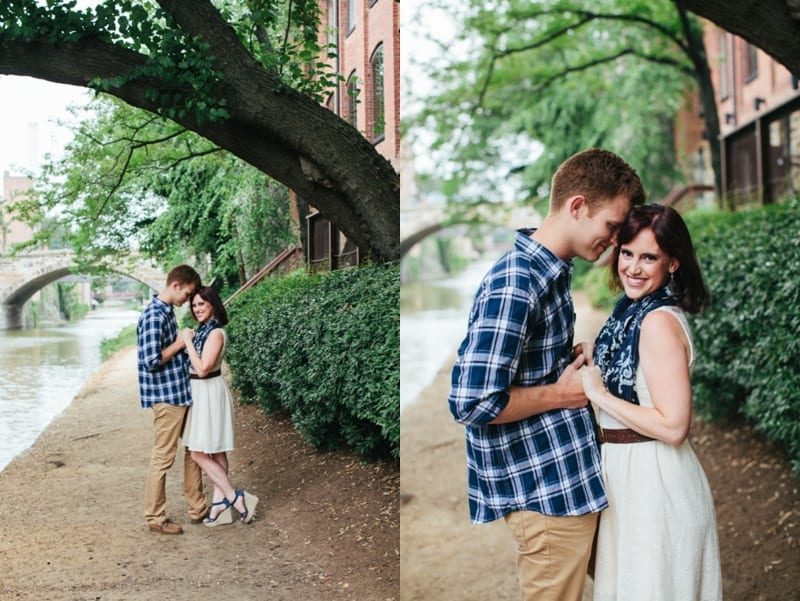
(208, 432)
(657, 541)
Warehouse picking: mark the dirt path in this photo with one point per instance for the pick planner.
(72, 523)
(446, 558)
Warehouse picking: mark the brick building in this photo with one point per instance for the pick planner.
(758, 104)
(365, 35)
(13, 231)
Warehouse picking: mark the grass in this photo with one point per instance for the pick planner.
(109, 346)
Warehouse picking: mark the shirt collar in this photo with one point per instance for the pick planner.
(527, 245)
(164, 307)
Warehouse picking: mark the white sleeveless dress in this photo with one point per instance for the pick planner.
(657, 541)
(209, 422)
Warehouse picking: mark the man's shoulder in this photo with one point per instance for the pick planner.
(522, 267)
(154, 313)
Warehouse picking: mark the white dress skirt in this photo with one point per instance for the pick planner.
(657, 541)
(209, 421)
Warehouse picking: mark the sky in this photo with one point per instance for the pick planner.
(29, 111)
(418, 21)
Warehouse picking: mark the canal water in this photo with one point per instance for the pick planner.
(433, 321)
(44, 369)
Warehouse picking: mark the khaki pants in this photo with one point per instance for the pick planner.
(168, 423)
(552, 554)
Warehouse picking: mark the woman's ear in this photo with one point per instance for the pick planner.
(674, 264)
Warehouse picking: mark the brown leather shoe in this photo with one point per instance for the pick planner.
(202, 517)
(166, 527)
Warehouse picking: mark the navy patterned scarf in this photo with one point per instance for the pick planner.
(616, 350)
(202, 332)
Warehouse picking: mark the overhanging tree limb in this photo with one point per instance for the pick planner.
(269, 125)
(768, 24)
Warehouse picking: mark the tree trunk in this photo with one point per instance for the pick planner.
(697, 54)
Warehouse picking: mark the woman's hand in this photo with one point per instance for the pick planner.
(593, 384)
(188, 336)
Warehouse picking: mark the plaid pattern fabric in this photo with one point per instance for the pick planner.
(169, 383)
(520, 332)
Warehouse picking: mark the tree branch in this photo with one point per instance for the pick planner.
(582, 67)
(586, 17)
(767, 24)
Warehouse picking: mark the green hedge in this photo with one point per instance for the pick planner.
(748, 340)
(326, 348)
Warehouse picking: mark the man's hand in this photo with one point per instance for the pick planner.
(565, 393)
(570, 386)
(586, 349)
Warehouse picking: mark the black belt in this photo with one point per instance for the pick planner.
(211, 374)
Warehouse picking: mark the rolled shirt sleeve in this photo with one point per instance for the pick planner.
(489, 356)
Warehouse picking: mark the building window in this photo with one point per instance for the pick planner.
(351, 16)
(742, 185)
(328, 248)
(377, 116)
(750, 62)
(724, 67)
(352, 100)
(333, 33)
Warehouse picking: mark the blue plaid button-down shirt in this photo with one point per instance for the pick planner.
(520, 333)
(169, 383)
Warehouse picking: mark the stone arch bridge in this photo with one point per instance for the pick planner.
(417, 222)
(23, 275)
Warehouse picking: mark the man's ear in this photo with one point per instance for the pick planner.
(576, 204)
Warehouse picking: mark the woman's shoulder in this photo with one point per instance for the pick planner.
(668, 323)
(665, 317)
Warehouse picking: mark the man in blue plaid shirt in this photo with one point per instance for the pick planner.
(532, 457)
(163, 368)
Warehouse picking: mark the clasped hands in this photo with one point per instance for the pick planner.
(188, 336)
(582, 379)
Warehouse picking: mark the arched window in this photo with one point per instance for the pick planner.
(333, 34)
(750, 62)
(724, 67)
(351, 16)
(351, 101)
(377, 115)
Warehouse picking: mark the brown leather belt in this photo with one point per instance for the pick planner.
(211, 374)
(624, 436)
